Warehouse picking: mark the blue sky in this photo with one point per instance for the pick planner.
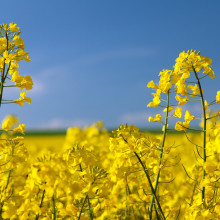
(92, 60)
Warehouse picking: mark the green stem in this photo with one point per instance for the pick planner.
(6, 186)
(41, 204)
(81, 210)
(3, 75)
(151, 186)
(90, 210)
(132, 208)
(160, 157)
(54, 208)
(2, 83)
(204, 131)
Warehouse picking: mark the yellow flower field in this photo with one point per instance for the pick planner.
(92, 173)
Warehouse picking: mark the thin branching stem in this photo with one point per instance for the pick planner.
(81, 210)
(90, 210)
(204, 130)
(161, 156)
(3, 74)
(151, 186)
(41, 204)
(54, 208)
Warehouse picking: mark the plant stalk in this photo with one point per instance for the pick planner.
(204, 130)
(160, 157)
(151, 186)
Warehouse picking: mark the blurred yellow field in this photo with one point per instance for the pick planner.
(38, 145)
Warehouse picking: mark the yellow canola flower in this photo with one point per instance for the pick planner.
(195, 90)
(164, 83)
(181, 87)
(152, 85)
(181, 100)
(188, 117)
(170, 108)
(191, 61)
(218, 97)
(20, 128)
(23, 82)
(206, 105)
(157, 118)
(8, 57)
(176, 77)
(9, 122)
(26, 83)
(178, 112)
(13, 27)
(13, 68)
(17, 78)
(22, 99)
(156, 99)
(208, 70)
(181, 126)
(18, 41)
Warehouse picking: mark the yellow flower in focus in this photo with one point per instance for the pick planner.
(17, 78)
(156, 99)
(13, 68)
(8, 57)
(208, 70)
(18, 41)
(9, 122)
(195, 90)
(170, 108)
(181, 100)
(164, 83)
(22, 99)
(152, 85)
(176, 77)
(218, 97)
(181, 87)
(188, 117)
(13, 27)
(26, 83)
(191, 61)
(157, 118)
(181, 126)
(178, 112)
(20, 128)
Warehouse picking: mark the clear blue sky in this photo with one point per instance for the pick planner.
(91, 60)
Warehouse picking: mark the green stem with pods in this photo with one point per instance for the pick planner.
(151, 186)
(160, 157)
(3, 75)
(204, 129)
(54, 208)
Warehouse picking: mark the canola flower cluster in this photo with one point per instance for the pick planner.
(126, 174)
(12, 51)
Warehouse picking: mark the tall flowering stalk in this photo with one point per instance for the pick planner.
(167, 78)
(11, 151)
(194, 62)
(161, 156)
(12, 51)
(204, 129)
